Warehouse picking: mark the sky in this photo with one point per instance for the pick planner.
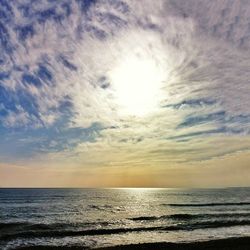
(135, 93)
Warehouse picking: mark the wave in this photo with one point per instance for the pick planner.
(171, 216)
(207, 204)
(218, 224)
(27, 226)
(140, 218)
(6, 225)
(183, 216)
(64, 233)
(99, 207)
(222, 244)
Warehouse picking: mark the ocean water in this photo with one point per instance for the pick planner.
(106, 217)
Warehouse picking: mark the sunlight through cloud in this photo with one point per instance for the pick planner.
(137, 82)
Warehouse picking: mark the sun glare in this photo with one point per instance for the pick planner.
(137, 85)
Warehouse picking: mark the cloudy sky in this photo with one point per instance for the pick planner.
(124, 93)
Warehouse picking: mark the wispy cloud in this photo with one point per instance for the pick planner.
(57, 98)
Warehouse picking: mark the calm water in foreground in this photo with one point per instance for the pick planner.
(107, 217)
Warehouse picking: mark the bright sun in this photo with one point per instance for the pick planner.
(137, 85)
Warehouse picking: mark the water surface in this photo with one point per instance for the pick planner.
(107, 217)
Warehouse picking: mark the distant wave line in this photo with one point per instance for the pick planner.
(183, 216)
(65, 233)
(207, 204)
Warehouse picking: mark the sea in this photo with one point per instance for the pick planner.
(93, 218)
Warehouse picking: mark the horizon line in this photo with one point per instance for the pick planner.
(216, 187)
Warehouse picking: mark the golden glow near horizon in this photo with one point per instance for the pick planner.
(137, 84)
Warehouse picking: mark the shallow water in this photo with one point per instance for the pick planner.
(106, 217)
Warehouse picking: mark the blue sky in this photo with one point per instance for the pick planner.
(69, 73)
